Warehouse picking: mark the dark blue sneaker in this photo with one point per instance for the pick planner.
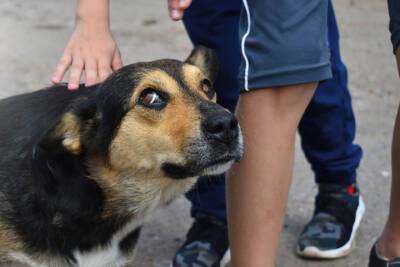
(331, 231)
(206, 245)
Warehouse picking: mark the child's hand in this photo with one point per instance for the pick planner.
(91, 50)
(177, 8)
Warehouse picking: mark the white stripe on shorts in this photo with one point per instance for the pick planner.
(246, 73)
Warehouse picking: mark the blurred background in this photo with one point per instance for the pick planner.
(33, 35)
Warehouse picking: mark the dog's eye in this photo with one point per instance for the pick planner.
(152, 99)
(206, 86)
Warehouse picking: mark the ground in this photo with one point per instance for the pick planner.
(33, 35)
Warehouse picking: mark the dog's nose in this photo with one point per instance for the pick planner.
(222, 126)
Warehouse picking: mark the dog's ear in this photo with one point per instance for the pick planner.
(69, 134)
(59, 165)
(206, 60)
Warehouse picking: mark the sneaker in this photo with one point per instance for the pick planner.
(206, 245)
(331, 231)
(375, 260)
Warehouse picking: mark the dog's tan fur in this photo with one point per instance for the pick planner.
(169, 132)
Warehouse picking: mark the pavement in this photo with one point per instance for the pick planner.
(33, 35)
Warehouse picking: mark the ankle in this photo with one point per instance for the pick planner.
(389, 244)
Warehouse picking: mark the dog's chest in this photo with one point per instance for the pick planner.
(121, 246)
(117, 253)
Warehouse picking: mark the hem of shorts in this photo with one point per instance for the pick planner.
(340, 178)
(215, 216)
(285, 79)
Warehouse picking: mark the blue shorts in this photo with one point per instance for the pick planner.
(283, 42)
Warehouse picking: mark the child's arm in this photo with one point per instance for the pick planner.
(91, 48)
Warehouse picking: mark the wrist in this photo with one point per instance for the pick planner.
(94, 13)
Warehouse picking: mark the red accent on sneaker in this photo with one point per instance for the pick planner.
(351, 189)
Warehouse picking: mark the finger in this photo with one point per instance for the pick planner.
(91, 72)
(184, 4)
(62, 66)
(104, 70)
(173, 4)
(75, 73)
(174, 11)
(116, 63)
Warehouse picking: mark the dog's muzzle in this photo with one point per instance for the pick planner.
(220, 145)
(222, 131)
(221, 127)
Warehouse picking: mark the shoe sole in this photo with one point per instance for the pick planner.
(315, 253)
(226, 259)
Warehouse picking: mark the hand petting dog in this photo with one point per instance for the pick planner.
(92, 50)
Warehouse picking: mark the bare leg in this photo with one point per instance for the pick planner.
(258, 186)
(389, 242)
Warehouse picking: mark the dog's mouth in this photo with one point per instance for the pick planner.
(220, 165)
(213, 166)
(223, 160)
(178, 171)
(206, 159)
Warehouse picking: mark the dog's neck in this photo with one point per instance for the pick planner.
(132, 193)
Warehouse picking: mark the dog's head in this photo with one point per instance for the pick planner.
(150, 122)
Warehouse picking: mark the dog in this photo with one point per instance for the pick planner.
(81, 171)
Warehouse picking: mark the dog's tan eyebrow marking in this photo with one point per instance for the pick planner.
(193, 77)
(157, 79)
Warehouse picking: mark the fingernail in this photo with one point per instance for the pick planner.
(72, 86)
(55, 79)
(175, 14)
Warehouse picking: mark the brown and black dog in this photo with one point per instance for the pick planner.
(81, 171)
